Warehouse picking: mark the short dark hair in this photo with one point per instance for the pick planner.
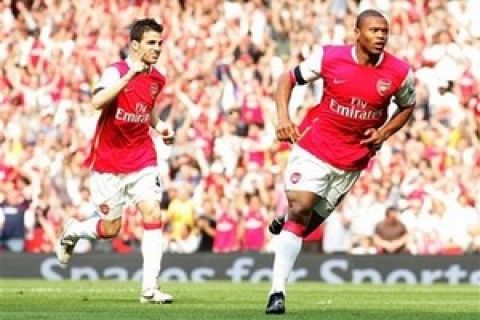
(391, 209)
(139, 27)
(366, 14)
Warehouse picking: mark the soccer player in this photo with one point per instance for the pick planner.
(123, 158)
(337, 137)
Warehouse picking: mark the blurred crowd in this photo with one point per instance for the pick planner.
(223, 176)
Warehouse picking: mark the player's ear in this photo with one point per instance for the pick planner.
(356, 32)
(135, 45)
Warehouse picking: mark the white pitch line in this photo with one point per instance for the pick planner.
(406, 289)
(43, 290)
(404, 302)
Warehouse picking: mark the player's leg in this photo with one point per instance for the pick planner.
(146, 193)
(334, 194)
(307, 180)
(277, 224)
(315, 221)
(92, 228)
(288, 245)
(107, 195)
(322, 210)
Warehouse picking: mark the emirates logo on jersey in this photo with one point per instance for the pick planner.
(141, 114)
(358, 109)
(154, 90)
(383, 86)
(295, 177)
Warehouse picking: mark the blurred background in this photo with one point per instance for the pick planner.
(223, 176)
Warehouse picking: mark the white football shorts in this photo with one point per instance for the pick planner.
(305, 172)
(110, 192)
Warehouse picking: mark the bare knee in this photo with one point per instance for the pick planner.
(299, 213)
(150, 211)
(301, 205)
(110, 228)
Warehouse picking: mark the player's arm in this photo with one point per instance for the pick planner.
(162, 127)
(405, 99)
(111, 84)
(306, 71)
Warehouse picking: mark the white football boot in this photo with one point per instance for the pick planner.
(66, 244)
(155, 296)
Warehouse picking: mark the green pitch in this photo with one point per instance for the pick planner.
(37, 299)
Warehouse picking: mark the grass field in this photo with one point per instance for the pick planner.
(37, 299)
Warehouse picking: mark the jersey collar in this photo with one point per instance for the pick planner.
(354, 57)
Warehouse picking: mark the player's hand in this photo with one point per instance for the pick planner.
(373, 139)
(139, 66)
(287, 131)
(166, 131)
(168, 136)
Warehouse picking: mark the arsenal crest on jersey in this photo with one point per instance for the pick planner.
(295, 177)
(383, 86)
(104, 208)
(154, 90)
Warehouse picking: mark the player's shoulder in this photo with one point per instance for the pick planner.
(396, 67)
(119, 63)
(121, 66)
(336, 53)
(337, 48)
(395, 61)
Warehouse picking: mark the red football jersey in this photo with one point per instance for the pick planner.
(355, 98)
(122, 143)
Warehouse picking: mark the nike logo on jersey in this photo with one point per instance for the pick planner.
(338, 81)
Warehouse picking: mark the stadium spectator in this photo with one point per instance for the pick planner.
(40, 237)
(206, 224)
(391, 235)
(180, 213)
(13, 223)
(187, 241)
(226, 233)
(253, 225)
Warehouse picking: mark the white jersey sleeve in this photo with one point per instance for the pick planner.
(109, 77)
(311, 68)
(405, 96)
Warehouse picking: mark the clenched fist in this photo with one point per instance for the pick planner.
(139, 66)
(287, 131)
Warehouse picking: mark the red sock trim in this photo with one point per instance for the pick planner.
(295, 228)
(152, 226)
(100, 230)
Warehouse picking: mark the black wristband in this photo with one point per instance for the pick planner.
(298, 76)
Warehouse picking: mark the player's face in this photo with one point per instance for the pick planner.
(150, 46)
(372, 35)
